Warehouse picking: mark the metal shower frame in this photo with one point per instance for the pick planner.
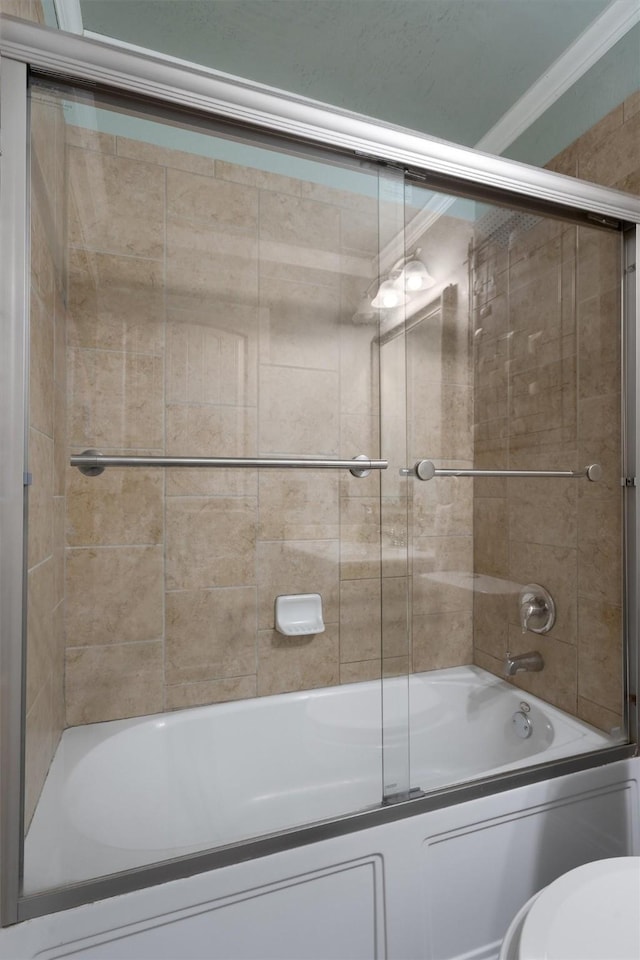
(253, 107)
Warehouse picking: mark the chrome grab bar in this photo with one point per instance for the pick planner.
(92, 463)
(426, 470)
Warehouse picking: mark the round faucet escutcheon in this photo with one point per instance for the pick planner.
(537, 609)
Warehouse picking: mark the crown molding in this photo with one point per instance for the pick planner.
(605, 31)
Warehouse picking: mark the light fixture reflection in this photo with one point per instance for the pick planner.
(416, 276)
(390, 294)
(407, 276)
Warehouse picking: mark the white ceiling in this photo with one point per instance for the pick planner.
(477, 72)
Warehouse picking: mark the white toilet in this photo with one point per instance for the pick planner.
(590, 913)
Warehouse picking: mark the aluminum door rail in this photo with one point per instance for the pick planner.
(92, 463)
(426, 470)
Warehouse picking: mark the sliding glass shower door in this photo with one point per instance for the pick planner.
(206, 592)
(310, 525)
(513, 372)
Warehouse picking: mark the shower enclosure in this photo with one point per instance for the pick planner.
(273, 350)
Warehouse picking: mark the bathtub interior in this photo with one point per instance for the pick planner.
(126, 793)
(214, 298)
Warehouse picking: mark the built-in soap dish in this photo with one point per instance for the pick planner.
(299, 614)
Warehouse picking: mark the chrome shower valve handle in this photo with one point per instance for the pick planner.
(537, 609)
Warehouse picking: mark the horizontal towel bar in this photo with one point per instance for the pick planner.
(92, 463)
(426, 470)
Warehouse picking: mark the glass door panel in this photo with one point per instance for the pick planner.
(195, 296)
(513, 364)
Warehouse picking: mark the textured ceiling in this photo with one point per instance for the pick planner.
(450, 69)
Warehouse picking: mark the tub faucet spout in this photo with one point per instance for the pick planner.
(523, 662)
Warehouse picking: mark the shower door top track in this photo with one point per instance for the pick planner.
(239, 101)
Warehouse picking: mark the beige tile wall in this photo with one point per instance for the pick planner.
(547, 392)
(47, 426)
(197, 288)
(25, 9)
(439, 410)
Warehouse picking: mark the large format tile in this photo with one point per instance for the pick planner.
(598, 265)
(359, 370)
(360, 544)
(299, 325)
(600, 661)
(211, 634)
(490, 537)
(89, 139)
(206, 260)
(299, 264)
(41, 370)
(445, 432)
(60, 448)
(615, 156)
(181, 696)
(38, 750)
(542, 511)
(122, 506)
(442, 640)
(40, 498)
(210, 542)
(207, 430)
(360, 620)
(598, 716)
(395, 617)
(177, 159)
(359, 230)
(231, 207)
(59, 523)
(443, 508)
(114, 594)
(253, 177)
(599, 419)
(305, 223)
(112, 682)
(600, 550)
(43, 278)
(41, 637)
(360, 671)
(115, 399)
(491, 623)
(297, 663)
(441, 568)
(212, 348)
(115, 302)
(298, 412)
(116, 204)
(60, 332)
(298, 505)
(599, 345)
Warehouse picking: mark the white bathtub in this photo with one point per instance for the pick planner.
(130, 792)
